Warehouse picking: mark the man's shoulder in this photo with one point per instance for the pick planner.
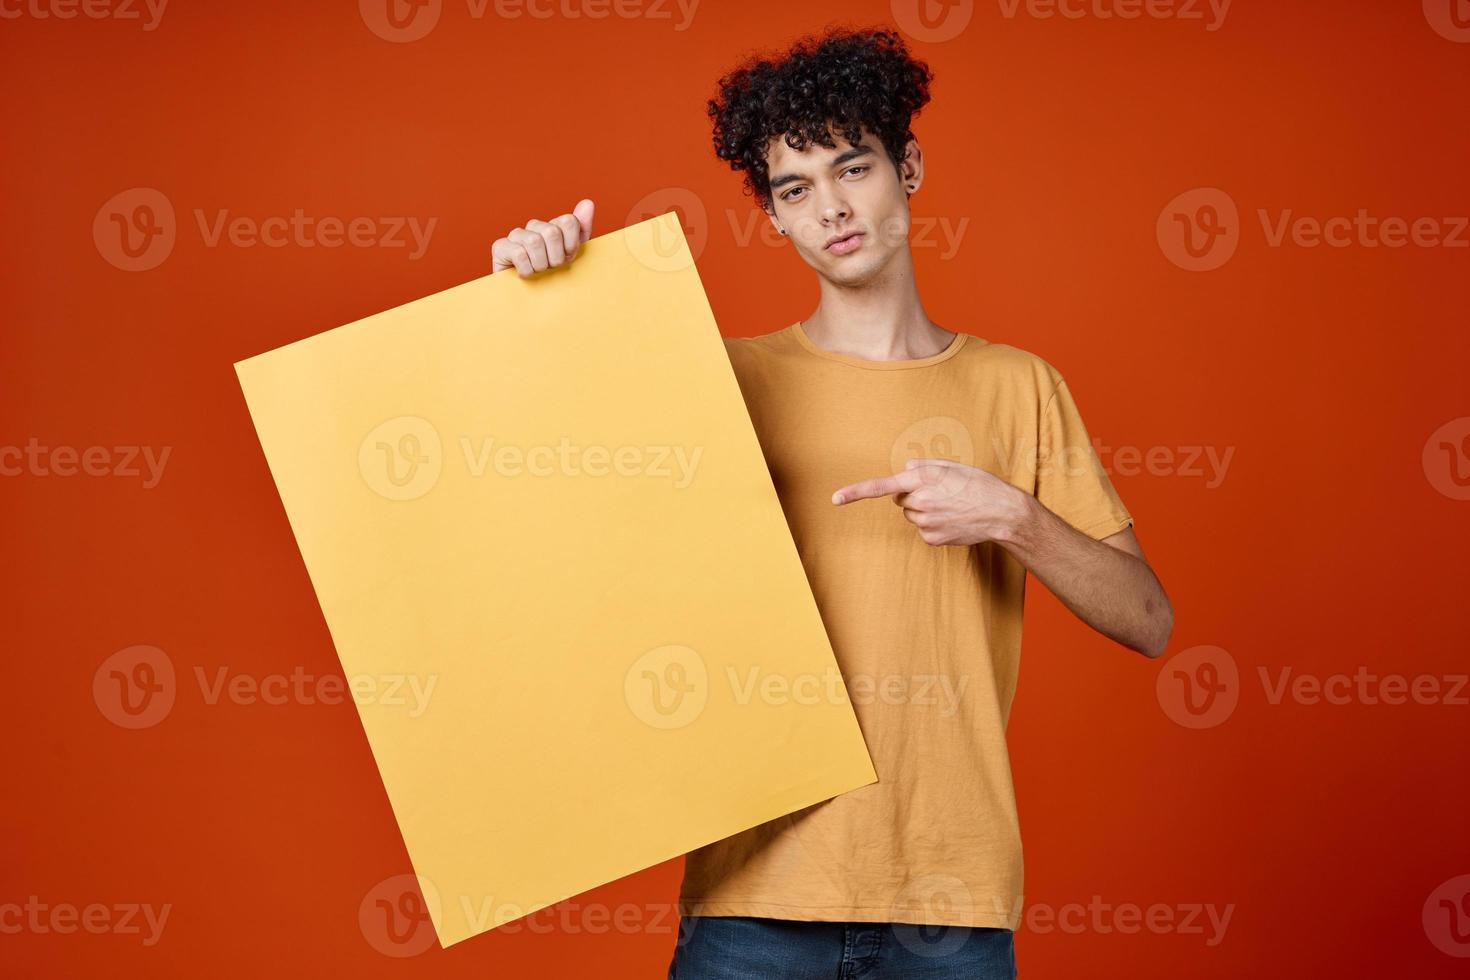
(772, 344)
(1009, 363)
(764, 340)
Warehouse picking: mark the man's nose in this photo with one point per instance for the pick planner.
(834, 207)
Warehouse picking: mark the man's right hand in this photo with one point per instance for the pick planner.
(543, 245)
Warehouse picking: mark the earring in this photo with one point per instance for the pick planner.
(783, 231)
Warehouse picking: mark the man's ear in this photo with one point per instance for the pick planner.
(771, 213)
(911, 168)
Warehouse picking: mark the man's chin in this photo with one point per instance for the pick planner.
(858, 270)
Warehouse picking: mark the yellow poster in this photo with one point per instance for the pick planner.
(537, 513)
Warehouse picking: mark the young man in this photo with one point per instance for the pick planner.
(866, 404)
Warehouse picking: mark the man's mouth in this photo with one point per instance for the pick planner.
(845, 244)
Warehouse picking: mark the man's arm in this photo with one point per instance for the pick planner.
(1108, 584)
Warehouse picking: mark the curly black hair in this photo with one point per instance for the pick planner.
(843, 79)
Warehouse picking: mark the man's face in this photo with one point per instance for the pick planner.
(844, 207)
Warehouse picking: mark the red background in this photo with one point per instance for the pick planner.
(1327, 548)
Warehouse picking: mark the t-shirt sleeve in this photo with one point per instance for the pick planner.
(1070, 479)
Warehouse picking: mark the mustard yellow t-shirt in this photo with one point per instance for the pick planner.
(927, 638)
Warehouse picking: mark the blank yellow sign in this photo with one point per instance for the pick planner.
(557, 575)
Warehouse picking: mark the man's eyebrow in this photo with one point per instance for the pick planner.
(861, 150)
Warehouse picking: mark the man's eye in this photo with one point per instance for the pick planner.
(859, 168)
(789, 195)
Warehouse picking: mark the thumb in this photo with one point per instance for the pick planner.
(583, 214)
(915, 463)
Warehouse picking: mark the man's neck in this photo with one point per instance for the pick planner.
(882, 320)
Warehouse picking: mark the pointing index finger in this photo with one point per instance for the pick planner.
(879, 486)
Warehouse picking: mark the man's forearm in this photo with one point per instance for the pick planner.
(1114, 592)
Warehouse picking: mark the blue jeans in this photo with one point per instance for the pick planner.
(736, 947)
